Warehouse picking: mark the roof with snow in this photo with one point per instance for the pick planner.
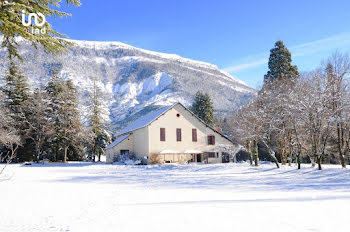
(145, 120)
(117, 141)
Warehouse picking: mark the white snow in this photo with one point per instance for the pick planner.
(223, 197)
(169, 152)
(134, 59)
(173, 57)
(235, 87)
(192, 152)
(156, 83)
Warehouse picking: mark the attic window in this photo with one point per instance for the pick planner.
(178, 115)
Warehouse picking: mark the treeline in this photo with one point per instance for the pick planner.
(46, 123)
(298, 117)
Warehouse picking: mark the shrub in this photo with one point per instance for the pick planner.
(154, 159)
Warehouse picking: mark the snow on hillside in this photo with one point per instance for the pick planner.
(134, 81)
(221, 197)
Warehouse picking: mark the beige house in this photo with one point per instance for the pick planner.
(172, 134)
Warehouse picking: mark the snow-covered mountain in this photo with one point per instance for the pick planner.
(133, 81)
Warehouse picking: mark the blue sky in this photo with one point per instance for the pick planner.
(234, 35)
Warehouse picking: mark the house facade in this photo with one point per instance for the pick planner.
(171, 134)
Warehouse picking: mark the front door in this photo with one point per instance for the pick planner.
(199, 158)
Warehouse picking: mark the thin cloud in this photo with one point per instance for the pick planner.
(330, 43)
(244, 66)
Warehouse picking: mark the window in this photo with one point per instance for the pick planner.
(124, 152)
(211, 140)
(178, 115)
(211, 155)
(162, 134)
(194, 135)
(178, 134)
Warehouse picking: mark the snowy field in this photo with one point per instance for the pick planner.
(222, 197)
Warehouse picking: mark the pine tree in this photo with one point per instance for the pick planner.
(71, 127)
(100, 137)
(11, 24)
(9, 135)
(16, 98)
(203, 107)
(16, 90)
(54, 88)
(280, 64)
(39, 120)
(67, 139)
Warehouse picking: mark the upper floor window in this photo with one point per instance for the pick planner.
(162, 134)
(194, 135)
(211, 140)
(178, 134)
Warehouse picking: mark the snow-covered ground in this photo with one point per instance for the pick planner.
(222, 197)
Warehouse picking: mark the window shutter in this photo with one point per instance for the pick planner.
(194, 135)
(178, 134)
(162, 134)
(211, 140)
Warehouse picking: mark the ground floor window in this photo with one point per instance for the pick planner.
(211, 155)
(124, 152)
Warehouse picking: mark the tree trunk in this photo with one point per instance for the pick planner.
(37, 150)
(341, 155)
(65, 154)
(314, 161)
(271, 154)
(298, 160)
(319, 160)
(289, 159)
(274, 160)
(249, 152)
(256, 152)
(283, 156)
(99, 157)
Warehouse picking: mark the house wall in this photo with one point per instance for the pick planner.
(186, 122)
(141, 143)
(126, 144)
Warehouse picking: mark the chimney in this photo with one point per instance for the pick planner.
(218, 128)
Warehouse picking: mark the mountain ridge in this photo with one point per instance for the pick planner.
(134, 80)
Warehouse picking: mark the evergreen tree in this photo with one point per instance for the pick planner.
(100, 137)
(16, 90)
(280, 64)
(67, 139)
(10, 139)
(54, 89)
(11, 24)
(16, 98)
(203, 107)
(71, 132)
(39, 120)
